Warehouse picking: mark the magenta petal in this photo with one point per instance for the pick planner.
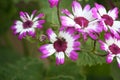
(93, 35)
(76, 44)
(59, 61)
(40, 15)
(20, 37)
(109, 58)
(115, 33)
(76, 8)
(31, 33)
(50, 33)
(87, 7)
(102, 45)
(76, 36)
(73, 55)
(53, 3)
(70, 30)
(33, 13)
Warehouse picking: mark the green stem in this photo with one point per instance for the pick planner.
(94, 46)
(58, 12)
(25, 48)
(102, 55)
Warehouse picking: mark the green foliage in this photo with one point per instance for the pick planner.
(89, 59)
(68, 71)
(13, 66)
(115, 71)
(88, 56)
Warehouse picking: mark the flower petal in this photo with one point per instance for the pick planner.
(113, 13)
(95, 13)
(60, 58)
(53, 3)
(100, 9)
(65, 11)
(47, 50)
(118, 60)
(73, 55)
(109, 58)
(51, 35)
(103, 46)
(76, 8)
(66, 21)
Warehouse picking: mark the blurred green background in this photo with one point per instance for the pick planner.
(19, 60)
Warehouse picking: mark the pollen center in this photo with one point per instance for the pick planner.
(114, 49)
(60, 45)
(27, 24)
(108, 20)
(83, 22)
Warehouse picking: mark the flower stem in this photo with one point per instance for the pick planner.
(101, 55)
(25, 48)
(94, 46)
(58, 12)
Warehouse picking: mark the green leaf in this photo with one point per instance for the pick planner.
(98, 72)
(24, 69)
(89, 57)
(67, 71)
(115, 71)
(8, 56)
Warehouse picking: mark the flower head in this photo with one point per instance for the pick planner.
(65, 43)
(107, 19)
(81, 19)
(112, 47)
(27, 24)
(53, 3)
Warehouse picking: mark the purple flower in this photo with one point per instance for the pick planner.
(81, 19)
(107, 19)
(27, 24)
(112, 47)
(53, 3)
(65, 43)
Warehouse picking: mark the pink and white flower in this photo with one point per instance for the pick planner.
(65, 43)
(27, 24)
(112, 47)
(81, 19)
(107, 19)
(53, 3)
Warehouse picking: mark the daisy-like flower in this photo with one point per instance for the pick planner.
(27, 24)
(53, 3)
(81, 19)
(65, 43)
(107, 19)
(112, 47)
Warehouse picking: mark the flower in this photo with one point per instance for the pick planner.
(53, 3)
(107, 19)
(65, 43)
(27, 25)
(82, 20)
(112, 47)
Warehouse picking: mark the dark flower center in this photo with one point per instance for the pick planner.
(108, 20)
(81, 21)
(114, 49)
(60, 45)
(27, 24)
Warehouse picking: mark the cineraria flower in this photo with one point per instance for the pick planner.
(107, 19)
(53, 3)
(82, 20)
(65, 43)
(27, 25)
(112, 47)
